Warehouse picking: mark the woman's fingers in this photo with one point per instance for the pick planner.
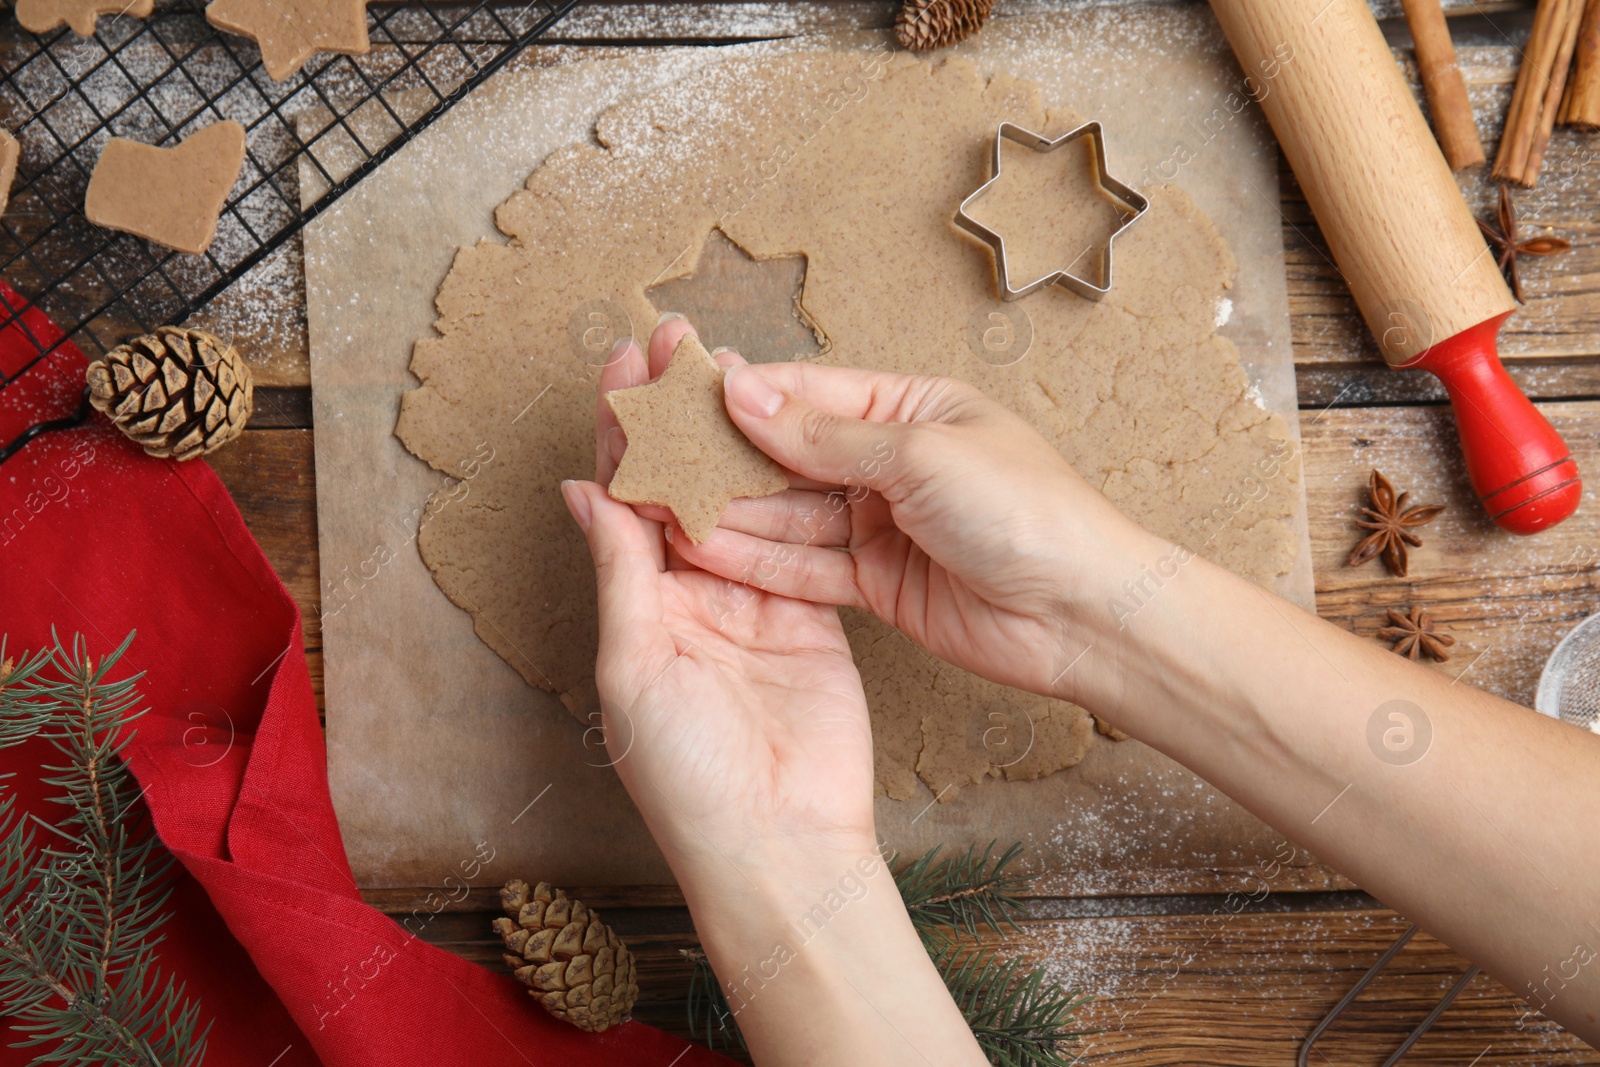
(792, 515)
(727, 357)
(664, 341)
(798, 516)
(633, 642)
(816, 516)
(876, 396)
(815, 442)
(804, 572)
(839, 426)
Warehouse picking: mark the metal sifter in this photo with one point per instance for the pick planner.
(1569, 688)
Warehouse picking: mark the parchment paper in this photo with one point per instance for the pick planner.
(436, 746)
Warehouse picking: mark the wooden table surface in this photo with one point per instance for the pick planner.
(1200, 978)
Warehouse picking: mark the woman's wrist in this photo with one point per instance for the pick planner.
(1140, 618)
(826, 937)
(755, 902)
(1109, 570)
(1158, 657)
(751, 888)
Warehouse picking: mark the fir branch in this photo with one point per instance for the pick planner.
(1020, 1018)
(959, 892)
(708, 1005)
(82, 914)
(20, 717)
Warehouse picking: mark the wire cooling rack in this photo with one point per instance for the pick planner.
(160, 79)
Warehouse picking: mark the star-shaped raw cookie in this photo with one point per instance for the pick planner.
(290, 32)
(684, 452)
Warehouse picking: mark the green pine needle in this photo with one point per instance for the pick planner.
(710, 1017)
(959, 892)
(1020, 1018)
(80, 907)
(20, 716)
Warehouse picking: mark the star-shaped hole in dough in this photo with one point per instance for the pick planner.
(684, 452)
(289, 32)
(1050, 211)
(751, 305)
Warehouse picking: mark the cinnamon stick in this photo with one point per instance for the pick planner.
(1537, 96)
(1580, 106)
(1442, 83)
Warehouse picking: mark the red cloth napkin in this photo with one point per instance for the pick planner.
(267, 928)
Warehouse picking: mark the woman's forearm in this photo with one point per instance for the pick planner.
(1470, 815)
(1458, 809)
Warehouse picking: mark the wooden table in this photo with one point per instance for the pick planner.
(1202, 978)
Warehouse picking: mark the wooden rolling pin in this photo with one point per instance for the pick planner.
(1403, 237)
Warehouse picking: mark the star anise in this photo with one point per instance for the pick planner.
(1508, 244)
(1413, 634)
(1391, 523)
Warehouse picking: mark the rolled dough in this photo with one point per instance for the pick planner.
(857, 164)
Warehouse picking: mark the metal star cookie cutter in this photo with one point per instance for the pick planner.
(1135, 204)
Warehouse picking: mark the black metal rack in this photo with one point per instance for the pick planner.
(161, 78)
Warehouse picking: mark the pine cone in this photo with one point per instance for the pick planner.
(924, 25)
(177, 392)
(576, 965)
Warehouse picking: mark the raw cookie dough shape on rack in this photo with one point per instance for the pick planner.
(42, 16)
(10, 155)
(172, 196)
(289, 32)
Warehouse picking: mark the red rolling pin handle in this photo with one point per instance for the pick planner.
(1521, 469)
(1403, 237)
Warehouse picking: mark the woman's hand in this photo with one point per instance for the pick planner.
(972, 536)
(734, 716)
(935, 508)
(736, 719)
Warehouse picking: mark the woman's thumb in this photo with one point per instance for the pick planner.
(833, 449)
(626, 576)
